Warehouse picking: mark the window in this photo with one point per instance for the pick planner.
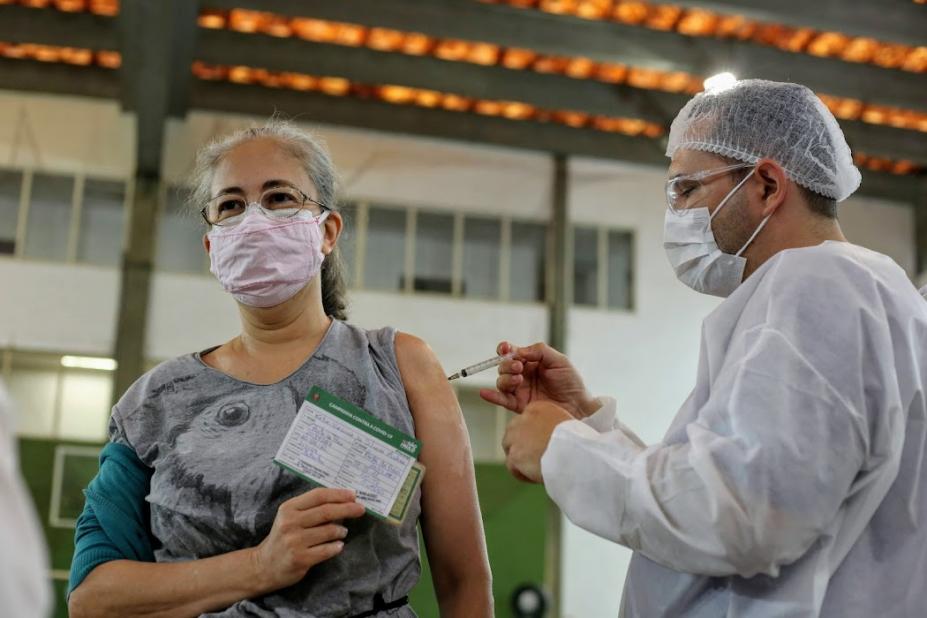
(481, 256)
(602, 268)
(527, 272)
(434, 243)
(48, 222)
(180, 236)
(84, 404)
(384, 265)
(34, 389)
(101, 222)
(620, 272)
(74, 468)
(585, 266)
(10, 185)
(53, 401)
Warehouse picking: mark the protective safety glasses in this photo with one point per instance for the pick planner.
(679, 188)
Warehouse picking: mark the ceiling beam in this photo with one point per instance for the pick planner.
(882, 185)
(552, 92)
(364, 65)
(183, 33)
(19, 24)
(920, 235)
(885, 141)
(411, 120)
(48, 26)
(31, 76)
(157, 51)
(377, 115)
(146, 77)
(157, 40)
(611, 41)
(57, 78)
(85, 30)
(893, 21)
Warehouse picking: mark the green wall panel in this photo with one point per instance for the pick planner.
(514, 518)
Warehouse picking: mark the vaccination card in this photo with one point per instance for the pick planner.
(333, 443)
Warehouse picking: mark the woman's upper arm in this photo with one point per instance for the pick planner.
(452, 524)
(113, 524)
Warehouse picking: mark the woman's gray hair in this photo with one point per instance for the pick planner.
(312, 153)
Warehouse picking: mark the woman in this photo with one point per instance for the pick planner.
(232, 534)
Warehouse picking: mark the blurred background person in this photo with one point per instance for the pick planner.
(24, 589)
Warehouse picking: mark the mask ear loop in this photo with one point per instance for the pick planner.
(729, 195)
(758, 229)
(755, 234)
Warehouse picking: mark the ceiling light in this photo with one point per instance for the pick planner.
(720, 82)
(88, 362)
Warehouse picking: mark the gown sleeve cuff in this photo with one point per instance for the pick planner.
(564, 449)
(606, 417)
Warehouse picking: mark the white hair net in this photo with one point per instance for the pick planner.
(784, 122)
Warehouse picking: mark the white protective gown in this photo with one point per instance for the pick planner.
(793, 481)
(24, 575)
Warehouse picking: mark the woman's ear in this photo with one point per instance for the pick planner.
(331, 231)
(774, 185)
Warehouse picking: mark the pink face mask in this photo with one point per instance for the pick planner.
(263, 262)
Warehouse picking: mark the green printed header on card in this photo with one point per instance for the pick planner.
(364, 421)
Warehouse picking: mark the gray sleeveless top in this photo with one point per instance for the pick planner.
(211, 439)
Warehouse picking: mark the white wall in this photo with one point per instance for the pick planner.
(65, 134)
(882, 226)
(646, 357)
(57, 308)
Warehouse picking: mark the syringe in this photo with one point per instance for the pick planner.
(486, 364)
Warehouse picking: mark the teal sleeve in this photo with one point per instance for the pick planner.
(115, 523)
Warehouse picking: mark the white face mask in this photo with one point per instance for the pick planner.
(694, 254)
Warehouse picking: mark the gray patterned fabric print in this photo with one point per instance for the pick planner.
(211, 439)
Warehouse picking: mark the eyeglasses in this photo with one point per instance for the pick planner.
(283, 202)
(679, 188)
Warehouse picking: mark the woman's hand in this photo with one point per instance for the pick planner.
(306, 531)
(539, 373)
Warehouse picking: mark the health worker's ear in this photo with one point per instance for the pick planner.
(772, 188)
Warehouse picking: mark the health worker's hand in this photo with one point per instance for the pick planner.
(539, 373)
(527, 437)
